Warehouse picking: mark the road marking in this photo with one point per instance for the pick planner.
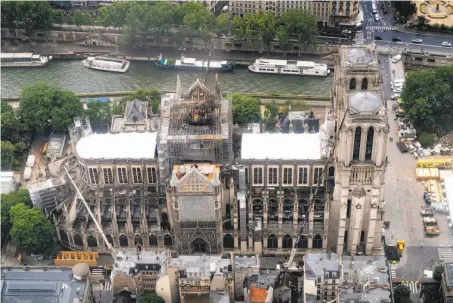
(445, 254)
(380, 28)
(393, 274)
(412, 285)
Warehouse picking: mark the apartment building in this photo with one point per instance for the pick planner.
(328, 12)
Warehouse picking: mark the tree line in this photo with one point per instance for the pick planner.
(427, 99)
(163, 20)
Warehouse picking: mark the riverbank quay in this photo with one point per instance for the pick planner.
(316, 101)
(97, 38)
(69, 51)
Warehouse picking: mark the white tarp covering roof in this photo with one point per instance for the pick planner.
(281, 146)
(118, 146)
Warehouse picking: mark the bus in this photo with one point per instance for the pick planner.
(435, 163)
(373, 5)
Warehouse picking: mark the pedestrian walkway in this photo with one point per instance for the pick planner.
(393, 274)
(107, 286)
(445, 254)
(412, 285)
(380, 28)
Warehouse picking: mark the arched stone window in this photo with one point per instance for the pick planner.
(228, 241)
(138, 240)
(199, 245)
(352, 84)
(123, 241)
(110, 239)
(78, 240)
(91, 241)
(272, 210)
(152, 240)
(287, 241)
(272, 241)
(288, 210)
(317, 242)
(164, 223)
(64, 237)
(303, 242)
(369, 143)
(357, 139)
(364, 84)
(168, 241)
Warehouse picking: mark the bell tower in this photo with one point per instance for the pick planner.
(358, 205)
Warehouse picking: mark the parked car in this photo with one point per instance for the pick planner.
(376, 17)
(378, 38)
(447, 44)
(395, 96)
(418, 41)
(396, 58)
(396, 39)
(182, 48)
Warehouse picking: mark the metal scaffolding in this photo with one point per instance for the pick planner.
(196, 127)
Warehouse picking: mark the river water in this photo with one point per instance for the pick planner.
(73, 76)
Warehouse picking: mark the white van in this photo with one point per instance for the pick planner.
(396, 58)
(376, 17)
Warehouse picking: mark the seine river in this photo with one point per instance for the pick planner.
(71, 75)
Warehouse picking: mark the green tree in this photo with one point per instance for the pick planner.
(161, 15)
(426, 139)
(402, 293)
(239, 29)
(28, 15)
(201, 23)
(9, 200)
(99, 112)
(267, 27)
(151, 298)
(271, 111)
(222, 26)
(246, 109)
(421, 23)
(430, 292)
(421, 113)
(83, 18)
(252, 29)
(44, 107)
(115, 14)
(7, 155)
(12, 129)
(32, 231)
(301, 26)
(434, 86)
(438, 271)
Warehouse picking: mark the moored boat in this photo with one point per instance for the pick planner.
(289, 67)
(194, 64)
(23, 60)
(107, 64)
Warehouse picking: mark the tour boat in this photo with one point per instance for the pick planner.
(107, 64)
(194, 64)
(289, 67)
(23, 60)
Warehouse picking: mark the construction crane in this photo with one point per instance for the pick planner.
(330, 156)
(209, 59)
(107, 243)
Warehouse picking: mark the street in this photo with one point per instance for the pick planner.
(403, 194)
(385, 30)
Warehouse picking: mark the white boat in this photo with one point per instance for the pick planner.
(107, 64)
(289, 67)
(23, 60)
